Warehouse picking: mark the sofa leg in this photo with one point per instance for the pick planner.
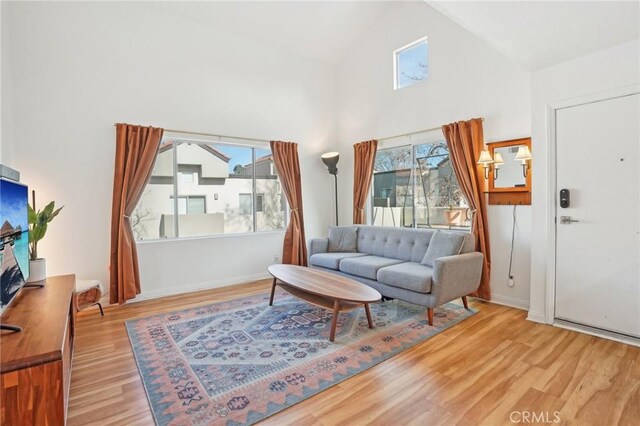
(430, 315)
(464, 302)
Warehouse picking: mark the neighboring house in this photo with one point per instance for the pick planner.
(211, 199)
(264, 167)
(392, 188)
(443, 205)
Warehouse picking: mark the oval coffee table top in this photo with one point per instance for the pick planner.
(324, 283)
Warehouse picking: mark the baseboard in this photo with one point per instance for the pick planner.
(537, 317)
(512, 302)
(598, 333)
(155, 294)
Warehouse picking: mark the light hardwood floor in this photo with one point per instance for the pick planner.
(478, 372)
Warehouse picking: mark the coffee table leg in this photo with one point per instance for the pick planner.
(273, 290)
(334, 320)
(366, 308)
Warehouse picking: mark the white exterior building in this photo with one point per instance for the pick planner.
(211, 199)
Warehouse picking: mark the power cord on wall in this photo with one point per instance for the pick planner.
(513, 235)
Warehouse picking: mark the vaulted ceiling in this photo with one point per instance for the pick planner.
(535, 33)
(323, 30)
(542, 33)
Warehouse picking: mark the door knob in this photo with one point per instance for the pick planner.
(566, 220)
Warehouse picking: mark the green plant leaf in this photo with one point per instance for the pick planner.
(49, 209)
(54, 214)
(41, 219)
(39, 232)
(32, 217)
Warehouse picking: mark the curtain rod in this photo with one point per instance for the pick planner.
(413, 133)
(212, 135)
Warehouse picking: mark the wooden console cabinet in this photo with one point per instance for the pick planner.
(35, 364)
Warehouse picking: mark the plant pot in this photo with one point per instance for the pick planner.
(37, 270)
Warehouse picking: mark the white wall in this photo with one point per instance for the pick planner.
(6, 129)
(603, 71)
(76, 68)
(467, 79)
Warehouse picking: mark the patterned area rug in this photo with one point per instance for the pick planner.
(240, 361)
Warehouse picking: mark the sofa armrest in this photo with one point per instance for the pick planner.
(318, 245)
(456, 276)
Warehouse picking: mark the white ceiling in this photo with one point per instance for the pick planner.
(542, 33)
(323, 30)
(535, 33)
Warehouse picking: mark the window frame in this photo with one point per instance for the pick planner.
(412, 142)
(249, 196)
(396, 64)
(187, 197)
(254, 146)
(181, 176)
(259, 195)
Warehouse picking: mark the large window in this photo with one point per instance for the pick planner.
(415, 186)
(216, 188)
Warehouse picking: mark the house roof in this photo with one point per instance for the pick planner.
(264, 158)
(165, 145)
(261, 160)
(6, 226)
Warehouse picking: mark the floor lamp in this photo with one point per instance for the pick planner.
(330, 159)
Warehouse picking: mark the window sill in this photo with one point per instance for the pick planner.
(210, 237)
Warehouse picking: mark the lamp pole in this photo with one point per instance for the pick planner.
(330, 159)
(336, 194)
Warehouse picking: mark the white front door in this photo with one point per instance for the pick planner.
(598, 245)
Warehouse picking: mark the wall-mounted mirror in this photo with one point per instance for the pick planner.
(510, 172)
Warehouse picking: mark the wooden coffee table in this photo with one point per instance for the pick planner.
(324, 289)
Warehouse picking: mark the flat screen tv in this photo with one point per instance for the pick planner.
(14, 239)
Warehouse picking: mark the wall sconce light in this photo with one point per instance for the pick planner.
(497, 162)
(524, 155)
(485, 161)
(330, 159)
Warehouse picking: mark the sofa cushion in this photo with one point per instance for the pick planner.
(366, 266)
(342, 239)
(404, 244)
(410, 276)
(443, 244)
(331, 260)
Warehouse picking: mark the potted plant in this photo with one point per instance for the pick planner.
(38, 223)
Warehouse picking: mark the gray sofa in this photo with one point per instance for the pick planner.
(389, 260)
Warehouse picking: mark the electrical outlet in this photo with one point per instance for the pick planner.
(511, 282)
(276, 259)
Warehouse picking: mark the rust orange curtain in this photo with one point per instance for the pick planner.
(136, 149)
(465, 141)
(364, 154)
(285, 158)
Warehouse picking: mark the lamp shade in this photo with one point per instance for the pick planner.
(485, 158)
(523, 154)
(330, 159)
(497, 159)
